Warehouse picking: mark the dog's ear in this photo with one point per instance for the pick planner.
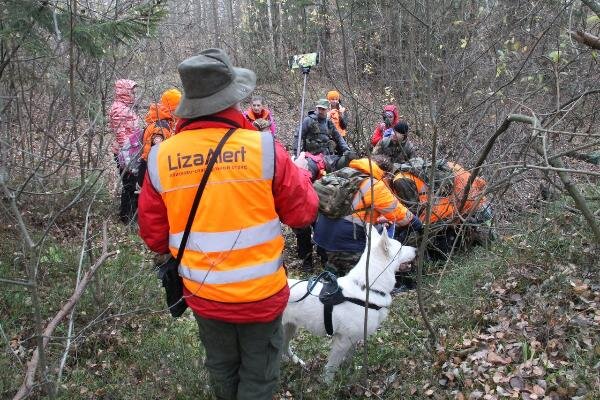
(374, 235)
(384, 242)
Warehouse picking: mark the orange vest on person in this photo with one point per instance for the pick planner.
(334, 116)
(383, 200)
(234, 251)
(160, 122)
(252, 116)
(446, 208)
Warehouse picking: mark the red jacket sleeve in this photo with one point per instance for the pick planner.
(152, 218)
(296, 201)
(377, 135)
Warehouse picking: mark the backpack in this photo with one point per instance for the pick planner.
(315, 140)
(336, 191)
(443, 180)
(129, 155)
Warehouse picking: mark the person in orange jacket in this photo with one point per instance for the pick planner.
(260, 116)
(337, 113)
(160, 125)
(232, 268)
(413, 192)
(344, 238)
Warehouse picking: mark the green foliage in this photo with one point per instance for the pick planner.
(148, 355)
(555, 56)
(36, 26)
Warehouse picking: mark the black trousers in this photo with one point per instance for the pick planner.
(304, 244)
(129, 198)
(142, 172)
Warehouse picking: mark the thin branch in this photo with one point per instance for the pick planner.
(15, 282)
(586, 38)
(77, 281)
(518, 73)
(15, 211)
(28, 382)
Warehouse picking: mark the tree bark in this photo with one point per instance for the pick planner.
(32, 365)
(215, 18)
(586, 38)
(271, 37)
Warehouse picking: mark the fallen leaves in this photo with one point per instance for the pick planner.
(520, 352)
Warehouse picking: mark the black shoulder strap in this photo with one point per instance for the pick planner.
(327, 311)
(362, 303)
(201, 186)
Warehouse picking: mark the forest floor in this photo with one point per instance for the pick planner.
(519, 320)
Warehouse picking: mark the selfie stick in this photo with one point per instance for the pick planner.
(305, 71)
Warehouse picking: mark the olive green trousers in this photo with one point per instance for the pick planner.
(242, 359)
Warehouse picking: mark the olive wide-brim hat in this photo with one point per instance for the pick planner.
(211, 84)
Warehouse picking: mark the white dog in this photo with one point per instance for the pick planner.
(347, 318)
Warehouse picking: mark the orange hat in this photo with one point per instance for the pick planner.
(170, 99)
(333, 95)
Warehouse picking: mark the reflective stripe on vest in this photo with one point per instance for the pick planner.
(268, 154)
(238, 275)
(268, 166)
(153, 167)
(363, 188)
(225, 241)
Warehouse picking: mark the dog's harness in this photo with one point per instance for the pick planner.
(331, 295)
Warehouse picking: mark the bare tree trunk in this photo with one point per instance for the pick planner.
(216, 28)
(233, 25)
(431, 189)
(271, 37)
(281, 49)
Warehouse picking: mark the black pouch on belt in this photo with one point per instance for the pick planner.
(173, 285)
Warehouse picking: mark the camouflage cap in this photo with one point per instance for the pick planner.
(322, 103)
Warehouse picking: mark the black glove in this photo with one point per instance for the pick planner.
(415, 224)
(313, 168)
(351, 155)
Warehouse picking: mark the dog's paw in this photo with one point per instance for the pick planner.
(328, 375)
(298, 360)
(291, 357)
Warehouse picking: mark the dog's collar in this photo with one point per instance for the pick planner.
(364, 288)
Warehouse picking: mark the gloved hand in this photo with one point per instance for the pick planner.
(382, 220)
(350, 155)
(313, 168)
(301, 161)
(416, 224)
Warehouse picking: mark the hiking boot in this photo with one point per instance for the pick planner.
(398, 290)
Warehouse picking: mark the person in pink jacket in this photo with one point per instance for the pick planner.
(125, 124)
